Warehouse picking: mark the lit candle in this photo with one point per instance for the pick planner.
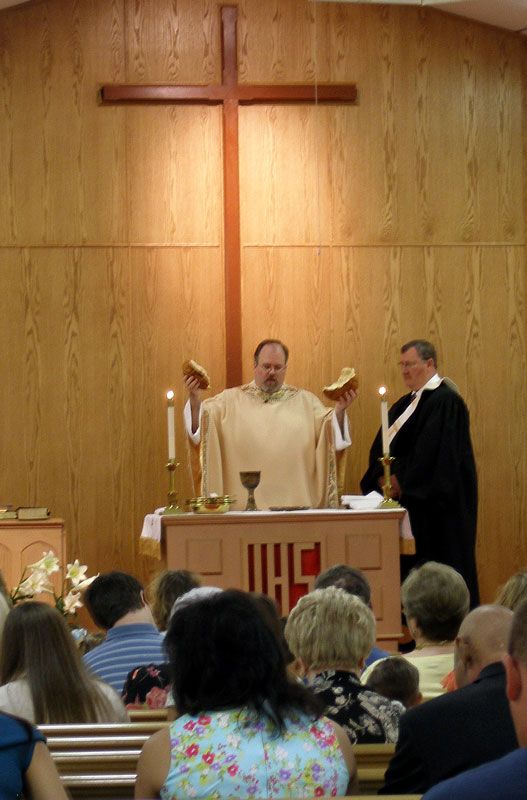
(171, 426)
(384, 421)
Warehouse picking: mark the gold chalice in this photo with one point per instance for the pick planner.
(250, 481)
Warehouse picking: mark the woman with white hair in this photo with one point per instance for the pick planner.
(331, 632)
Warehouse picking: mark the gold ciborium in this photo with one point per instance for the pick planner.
(250, 481)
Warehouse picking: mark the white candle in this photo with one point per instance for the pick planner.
(171, 427)
(384, 421)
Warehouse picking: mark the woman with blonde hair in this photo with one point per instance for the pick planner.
(513, 591)
(435, 600)
(331, 632)
(42, 675)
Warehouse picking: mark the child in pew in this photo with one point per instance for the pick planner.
(397, 679)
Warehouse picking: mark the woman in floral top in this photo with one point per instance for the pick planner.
(245, 729)
(331, 632)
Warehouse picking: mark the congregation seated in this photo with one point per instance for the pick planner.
(330, 632)
(165, 589)
(42, 676)
(243, 723)
(435, 601)
(26, 766)
(116, 604)
(503, 778)
(396, 678)
(353, 581)
(461, 729)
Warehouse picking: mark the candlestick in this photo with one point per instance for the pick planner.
(387, 501)
(384, 421)
(171, 426)
(173, 506)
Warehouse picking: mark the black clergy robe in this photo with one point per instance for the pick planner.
(434, 464)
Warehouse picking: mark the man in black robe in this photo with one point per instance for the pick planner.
(434, 472)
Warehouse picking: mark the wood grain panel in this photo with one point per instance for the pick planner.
(175, 174)
(283, 180)
(172, 42)
(284, 296)
(177, 314)
(267, 53)
(65, 170)
(65, 429)
(432, 138)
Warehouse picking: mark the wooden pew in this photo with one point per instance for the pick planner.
(147, 714)
(372, 761)
(99, 760)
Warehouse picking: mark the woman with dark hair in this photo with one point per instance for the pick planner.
(165, 589)
(245, 730)
(25, 763)
(42, 675)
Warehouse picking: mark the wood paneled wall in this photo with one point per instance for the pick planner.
(362, 226)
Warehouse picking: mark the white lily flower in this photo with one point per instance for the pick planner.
(49, 563)
(39, 580)
(36, 583)
(76, 572)
(85, 583)
(72, 602)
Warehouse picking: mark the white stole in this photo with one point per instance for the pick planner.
(397, 424)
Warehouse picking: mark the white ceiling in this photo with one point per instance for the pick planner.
(508, 14)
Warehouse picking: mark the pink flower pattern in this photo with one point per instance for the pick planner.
(240, 756)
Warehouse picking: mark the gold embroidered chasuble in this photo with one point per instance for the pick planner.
(287, 435)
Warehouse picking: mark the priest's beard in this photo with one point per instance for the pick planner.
(270, 385)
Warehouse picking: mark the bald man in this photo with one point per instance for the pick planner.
(461, 729)
(506, 777)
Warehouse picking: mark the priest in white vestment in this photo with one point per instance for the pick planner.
(285, 433)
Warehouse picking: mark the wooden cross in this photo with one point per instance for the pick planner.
(229, 93)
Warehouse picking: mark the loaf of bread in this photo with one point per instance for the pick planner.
(192, 368)
(347, 380)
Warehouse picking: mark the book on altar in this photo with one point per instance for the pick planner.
(8, 512)
(32, 512)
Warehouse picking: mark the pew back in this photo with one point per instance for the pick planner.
(100, 760)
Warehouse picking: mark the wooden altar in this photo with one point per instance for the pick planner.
(281, 553)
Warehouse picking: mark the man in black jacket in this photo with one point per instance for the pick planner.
(433, 472)
(465, 728)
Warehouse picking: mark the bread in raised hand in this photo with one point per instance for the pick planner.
(192, 368)
(346, 381)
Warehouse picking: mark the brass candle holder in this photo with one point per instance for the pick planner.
(173, 507)
(388, 501)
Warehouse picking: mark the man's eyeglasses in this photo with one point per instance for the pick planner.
(407, 364)
(271, 368)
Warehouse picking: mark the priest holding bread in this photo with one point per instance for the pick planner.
(286, 433)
